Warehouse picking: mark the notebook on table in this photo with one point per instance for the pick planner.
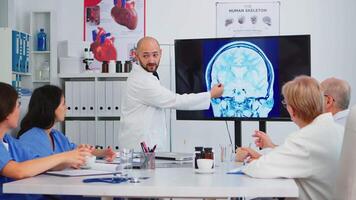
(96, 169)
(174, 156)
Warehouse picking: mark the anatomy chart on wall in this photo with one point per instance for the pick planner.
(113, 27)
(247, 19)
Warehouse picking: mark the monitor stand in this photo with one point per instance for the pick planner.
(238, 132)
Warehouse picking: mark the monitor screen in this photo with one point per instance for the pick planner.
(252, 70)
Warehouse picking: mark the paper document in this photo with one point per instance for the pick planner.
(238, 170)
(96, 169)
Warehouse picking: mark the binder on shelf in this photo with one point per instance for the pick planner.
(72, 131)
(116, 98)
(100, 106)
(123, 92)
(116, 135)
(83, 129)
(100, 134)
(68, 130)
(76, 98)
(109, 133)
(91, 133)
(91, 98)
(76, 132)
(69, 97)
(84, 90)
(109, 98)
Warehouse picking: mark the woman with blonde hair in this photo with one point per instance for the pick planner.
(309, 155)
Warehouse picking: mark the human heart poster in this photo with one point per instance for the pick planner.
(113, 27)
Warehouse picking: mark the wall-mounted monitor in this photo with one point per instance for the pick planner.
(252, 69)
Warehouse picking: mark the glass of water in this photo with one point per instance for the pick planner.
(126, 156)
(227, 153)
(126, 165)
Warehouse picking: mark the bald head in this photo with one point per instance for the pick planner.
(147, 42)
(148, 53)
(339, 90)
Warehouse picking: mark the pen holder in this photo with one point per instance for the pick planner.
(149, 160)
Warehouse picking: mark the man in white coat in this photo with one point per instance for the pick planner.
(337, 98)
(143, 116)
(309, 155)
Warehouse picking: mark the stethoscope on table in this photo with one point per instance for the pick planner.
(106, 180)
(115, 179)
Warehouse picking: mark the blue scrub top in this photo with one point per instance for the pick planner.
(34, 144)
(17, 153)
(37, 140)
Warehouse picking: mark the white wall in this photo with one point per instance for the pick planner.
(329, 22)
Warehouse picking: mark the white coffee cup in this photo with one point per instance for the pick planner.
(205, 164)
(89, 162)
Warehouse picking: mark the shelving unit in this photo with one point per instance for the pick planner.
(93, 75)
(94, 107)
(42, 62)
(14, 58)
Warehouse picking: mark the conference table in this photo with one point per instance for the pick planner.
(161, 183)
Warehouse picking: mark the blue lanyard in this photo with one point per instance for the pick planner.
(113, 180)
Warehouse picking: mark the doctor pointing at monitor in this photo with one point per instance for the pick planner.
(144, 101)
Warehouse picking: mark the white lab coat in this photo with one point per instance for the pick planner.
(143, 117)
(341, 116)
(310, 156)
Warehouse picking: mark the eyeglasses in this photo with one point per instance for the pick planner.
(284, 103)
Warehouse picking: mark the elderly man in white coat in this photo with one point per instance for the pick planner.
(309, 155)
(143, 116)
(337, 95)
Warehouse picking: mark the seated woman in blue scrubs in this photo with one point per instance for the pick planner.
(47, 106)
(15, 160)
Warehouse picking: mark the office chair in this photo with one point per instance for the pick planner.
(345, 188)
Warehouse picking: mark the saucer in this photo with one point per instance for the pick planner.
(209, 171)
(85, 167)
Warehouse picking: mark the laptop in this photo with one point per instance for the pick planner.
(173, 156)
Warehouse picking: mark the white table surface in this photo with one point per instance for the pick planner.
(163, 182)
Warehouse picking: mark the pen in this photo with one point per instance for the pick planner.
(248, 157)
(246, 160)
(144, 147)
(154, 148)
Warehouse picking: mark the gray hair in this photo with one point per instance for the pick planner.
(339, 89)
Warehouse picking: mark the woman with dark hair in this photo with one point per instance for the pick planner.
(15, 160)
(46, 107)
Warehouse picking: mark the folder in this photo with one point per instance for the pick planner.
(109, 133)
(76, 98)
(116, 98)
(116, 135)
(83, 132)
(91, 98)
(69, 97)
(123, 93)
(100, 98)
(91, 133)
(68, 130)
(100, 133)
(83, 98)
(76, 132)
(108, 98)
(72, 131)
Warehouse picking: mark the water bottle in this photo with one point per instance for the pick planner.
(41, 40)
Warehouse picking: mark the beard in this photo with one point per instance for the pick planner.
(149, 67)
